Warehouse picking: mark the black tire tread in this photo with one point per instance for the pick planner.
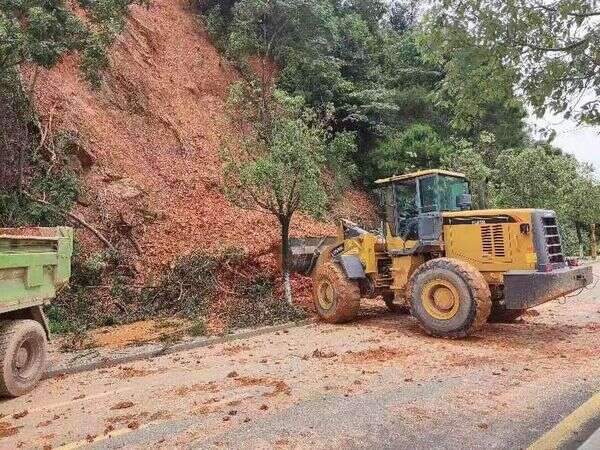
(347, 291)
(8, 329)
(476, 284)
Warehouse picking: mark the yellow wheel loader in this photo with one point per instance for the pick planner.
(451, 267)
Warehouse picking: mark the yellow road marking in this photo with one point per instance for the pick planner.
(569, 426)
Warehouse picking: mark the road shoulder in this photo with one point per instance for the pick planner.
(101, 358)
(574, 429)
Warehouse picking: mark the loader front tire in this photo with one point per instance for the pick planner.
(337, 298)
(22, 356)
(449, 298)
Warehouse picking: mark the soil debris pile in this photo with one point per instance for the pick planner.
(149, 139)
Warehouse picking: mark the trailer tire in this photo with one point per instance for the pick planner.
(23, 356)
(450, 298)
(337, 299)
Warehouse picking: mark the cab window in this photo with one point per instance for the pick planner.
(429, 194)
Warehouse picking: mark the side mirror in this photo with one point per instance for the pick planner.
(464, 201)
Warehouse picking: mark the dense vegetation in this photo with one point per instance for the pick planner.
(421, 93)
(37, 33)
(357, 89)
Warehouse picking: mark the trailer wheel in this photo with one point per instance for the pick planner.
(337, 299)
(22, 356)
(450, 298)
(393, 306)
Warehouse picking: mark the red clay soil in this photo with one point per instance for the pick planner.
(152, 135)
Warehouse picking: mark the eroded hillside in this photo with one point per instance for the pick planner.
(149, 143)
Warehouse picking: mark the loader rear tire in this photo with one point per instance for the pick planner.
(22, 356)
(393, 306)
(337, 298)
(449, 298)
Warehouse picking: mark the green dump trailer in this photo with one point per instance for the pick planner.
(34, 264)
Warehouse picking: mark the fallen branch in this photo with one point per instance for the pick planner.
(72, 216)
(135, 243)
(126, 228)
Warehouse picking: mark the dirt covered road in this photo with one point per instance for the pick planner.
(378, 382)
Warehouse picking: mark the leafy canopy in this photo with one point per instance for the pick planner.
(549, 47)
(279, 167)
(40, 32)
(364, 59)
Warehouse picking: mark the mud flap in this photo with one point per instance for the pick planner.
(352, 267)
(37, 314)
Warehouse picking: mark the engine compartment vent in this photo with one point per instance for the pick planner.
(492, 241)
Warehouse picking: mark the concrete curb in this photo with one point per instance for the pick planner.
(593, 442)
(581, 423)
(106, 361)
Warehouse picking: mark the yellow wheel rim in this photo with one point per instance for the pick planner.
(326, 295)
(440, 299)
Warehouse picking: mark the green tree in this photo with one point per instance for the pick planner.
(418, 147)
(364, 58)
(582, 204)
(542, 177)
(278, 168)
(532, 178)
(468, 159)
(272, 29)
(549, 48)
(40, 32)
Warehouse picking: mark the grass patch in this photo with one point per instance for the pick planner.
(198, 328)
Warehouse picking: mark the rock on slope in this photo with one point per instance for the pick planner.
(152, 133)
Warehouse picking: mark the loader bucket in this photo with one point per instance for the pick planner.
(304, 252)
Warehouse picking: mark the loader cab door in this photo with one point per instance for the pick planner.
(402, 209)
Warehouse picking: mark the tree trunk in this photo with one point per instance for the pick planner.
(285, 257)
(484, 196)
(21, 162)
(579, 238)
(594, 251)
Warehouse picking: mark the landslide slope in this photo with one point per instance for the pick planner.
(151, 135)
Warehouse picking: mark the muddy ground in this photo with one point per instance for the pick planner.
(378, 382)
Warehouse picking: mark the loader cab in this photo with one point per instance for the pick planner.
(412, 204)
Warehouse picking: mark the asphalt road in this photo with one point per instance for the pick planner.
(377, 383)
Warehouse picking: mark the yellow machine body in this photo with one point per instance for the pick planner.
(523, 244)
(493, 249)
(452, 267)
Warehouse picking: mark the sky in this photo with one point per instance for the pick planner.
(583, 142)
